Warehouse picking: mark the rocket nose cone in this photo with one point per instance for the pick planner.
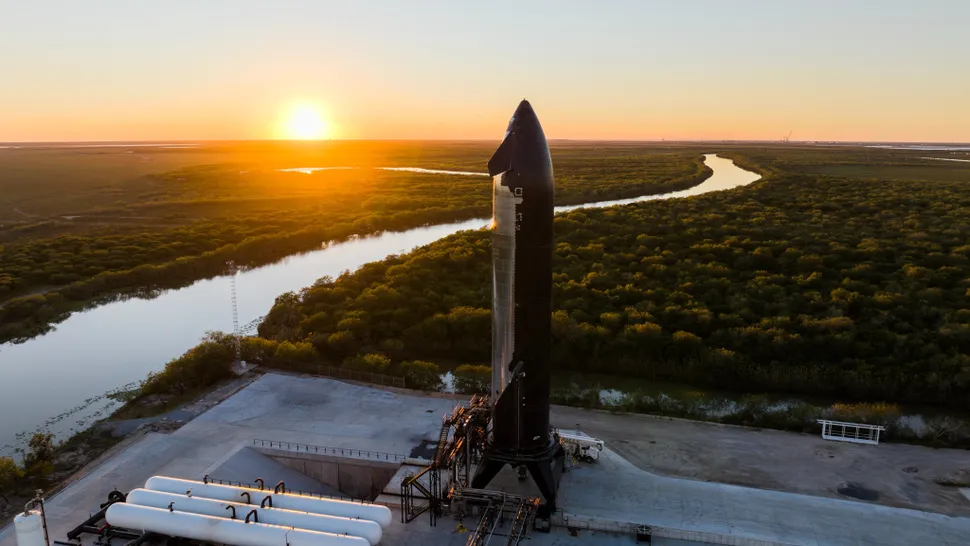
(525, 107)
(524, 119)
(524, 143)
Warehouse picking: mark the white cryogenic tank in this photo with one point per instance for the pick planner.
(219, 530)
(363, 528)
(286, 501)
(29, 528)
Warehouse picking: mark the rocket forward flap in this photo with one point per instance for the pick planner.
(501, 160)
(523, 131)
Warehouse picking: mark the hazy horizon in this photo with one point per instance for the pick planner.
(752, 70)
(433, 139)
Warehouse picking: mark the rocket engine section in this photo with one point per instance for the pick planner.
(522, 238)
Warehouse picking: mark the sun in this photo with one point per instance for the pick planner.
(305, 122)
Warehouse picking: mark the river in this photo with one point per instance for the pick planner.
(57, 382)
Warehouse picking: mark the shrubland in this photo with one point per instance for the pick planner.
(854, 290)
(809, 285)
(153, 231)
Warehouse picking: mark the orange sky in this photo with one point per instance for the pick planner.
(627, 70)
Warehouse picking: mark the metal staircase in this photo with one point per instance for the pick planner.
(421, 493)
(459, 449)
(524, 518)
(497, 508)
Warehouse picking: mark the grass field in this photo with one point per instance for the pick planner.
(857, 162)
(927, 172)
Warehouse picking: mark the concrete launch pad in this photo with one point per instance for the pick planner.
(596, 500)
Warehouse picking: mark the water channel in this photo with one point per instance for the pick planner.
(57, 382)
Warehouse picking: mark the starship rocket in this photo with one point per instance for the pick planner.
(522, 237)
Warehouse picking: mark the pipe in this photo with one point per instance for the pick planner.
(220, 530)
(108, 532)
(287, 501)
(140, 540)
(116, 496)
(97, 516)
(363, 528)
(254, 514)
(38, 500)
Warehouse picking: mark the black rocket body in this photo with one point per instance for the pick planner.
(522, 237)
(522, 212)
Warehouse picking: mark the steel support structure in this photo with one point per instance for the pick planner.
(421, 493)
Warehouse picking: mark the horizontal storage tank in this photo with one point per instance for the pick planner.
(363, 528)
(287, 501)
(219, 530)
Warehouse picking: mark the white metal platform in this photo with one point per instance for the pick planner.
(857, 433)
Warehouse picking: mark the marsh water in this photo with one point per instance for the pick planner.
(59, 382)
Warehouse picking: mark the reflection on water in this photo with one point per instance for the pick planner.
(432, 171)
(923, 147)
(123, 341)
(311, 170)
(64, 372)
(947, 159)
(726, 176)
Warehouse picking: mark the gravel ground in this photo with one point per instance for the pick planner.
(892, 474)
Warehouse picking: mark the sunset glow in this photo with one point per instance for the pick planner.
(305, 122)
(694, 70)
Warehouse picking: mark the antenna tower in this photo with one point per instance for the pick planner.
(235, 311)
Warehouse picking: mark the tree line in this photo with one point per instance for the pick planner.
(44, 279)
(802, 284)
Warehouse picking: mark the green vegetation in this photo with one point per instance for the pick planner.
(198, 369)
(45, 465)
(470, 379)
(764, 411)
(802, 284)
(851, 162)
(33, 472)
(421, 375)
(211, 363)
(370, 362)
(118, 227)
(849, 288)
(10, 475)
